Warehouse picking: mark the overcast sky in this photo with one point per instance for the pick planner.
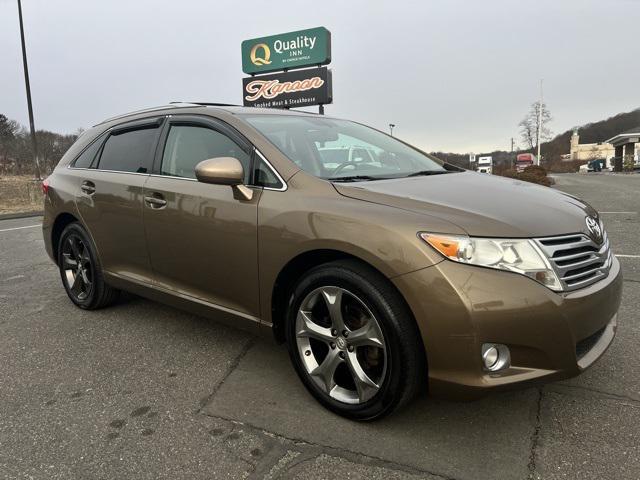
(452, 75)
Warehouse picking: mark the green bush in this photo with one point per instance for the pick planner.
(535, 178)
(628, 163)
(532, 174)
(536, 171)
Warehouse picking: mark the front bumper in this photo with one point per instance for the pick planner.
(550, 335)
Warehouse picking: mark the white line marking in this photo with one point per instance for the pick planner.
(632, 213)
(20, 228)
(627, 256)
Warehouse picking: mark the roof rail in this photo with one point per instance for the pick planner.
(136, 112)
(208, 104)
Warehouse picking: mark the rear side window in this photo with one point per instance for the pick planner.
(129, 151)
(86, 158)
(188, 145)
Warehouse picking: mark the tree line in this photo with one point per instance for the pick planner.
(551, 148)
(16, 152)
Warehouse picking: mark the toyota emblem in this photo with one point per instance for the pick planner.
(594, 228)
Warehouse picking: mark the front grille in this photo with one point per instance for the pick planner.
(584, 346)
(577, 259)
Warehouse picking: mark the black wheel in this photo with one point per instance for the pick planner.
(80, 270)
(353, 341)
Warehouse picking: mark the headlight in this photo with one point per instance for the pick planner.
(514, 255)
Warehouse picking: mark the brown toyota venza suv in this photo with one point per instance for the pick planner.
(383, 269)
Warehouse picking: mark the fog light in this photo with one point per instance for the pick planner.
(495, 356)
(490, 357)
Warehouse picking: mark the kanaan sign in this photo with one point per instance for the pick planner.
(300, 88)
(287, 51)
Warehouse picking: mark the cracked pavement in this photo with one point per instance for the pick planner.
(141, 390)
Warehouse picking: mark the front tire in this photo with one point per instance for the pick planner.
(353, 341)
(80, 270)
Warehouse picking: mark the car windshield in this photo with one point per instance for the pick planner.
(340, 150)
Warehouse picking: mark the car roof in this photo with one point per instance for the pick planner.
(206, 107)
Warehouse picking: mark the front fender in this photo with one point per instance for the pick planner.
(311, 216)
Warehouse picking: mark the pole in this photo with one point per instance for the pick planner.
(539, 123)
(34, 141)
(391, 125)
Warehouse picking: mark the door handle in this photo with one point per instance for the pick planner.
(155, 201)
(88, 187)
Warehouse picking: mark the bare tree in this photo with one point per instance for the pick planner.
(8, 131)
(16, 148)
(529, 125)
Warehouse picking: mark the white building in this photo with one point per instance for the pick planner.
(627, 148)
(589, 151)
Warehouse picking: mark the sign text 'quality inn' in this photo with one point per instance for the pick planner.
(286, 51)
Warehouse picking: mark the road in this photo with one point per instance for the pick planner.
(142, 391)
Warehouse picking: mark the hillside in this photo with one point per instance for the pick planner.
(552, 150)
(591, 133)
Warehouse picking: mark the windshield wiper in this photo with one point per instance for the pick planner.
(425, 173)
(354, 178)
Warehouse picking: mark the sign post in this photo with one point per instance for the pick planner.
(288, 53)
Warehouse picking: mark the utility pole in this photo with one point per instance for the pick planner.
(34, 141)
(539, 124)
(391, 126)
(511, 144)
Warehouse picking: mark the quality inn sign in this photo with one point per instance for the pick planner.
(287, 51)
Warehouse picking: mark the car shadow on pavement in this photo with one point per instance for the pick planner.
(455, 439)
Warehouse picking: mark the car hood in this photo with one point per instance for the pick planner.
(480, 204)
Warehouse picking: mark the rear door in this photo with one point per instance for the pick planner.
(202, 238)
(110, 197)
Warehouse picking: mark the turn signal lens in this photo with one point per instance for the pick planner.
(454, 248)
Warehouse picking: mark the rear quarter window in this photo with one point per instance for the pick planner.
(129, 151)
(86, 158)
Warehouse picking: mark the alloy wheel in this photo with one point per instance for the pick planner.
(77, 267)
(341, 345)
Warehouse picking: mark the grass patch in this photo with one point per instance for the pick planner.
(20, 193)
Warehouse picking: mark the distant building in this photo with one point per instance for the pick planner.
(627, 147)
(589, 151)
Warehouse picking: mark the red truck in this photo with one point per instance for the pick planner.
(524, 160)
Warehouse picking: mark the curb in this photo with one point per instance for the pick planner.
(11, 216)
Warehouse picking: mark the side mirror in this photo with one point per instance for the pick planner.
(223, 171)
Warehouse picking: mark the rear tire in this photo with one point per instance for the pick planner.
(379, 347)
(80, 270)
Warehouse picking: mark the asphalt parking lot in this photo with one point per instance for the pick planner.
(141, 390)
